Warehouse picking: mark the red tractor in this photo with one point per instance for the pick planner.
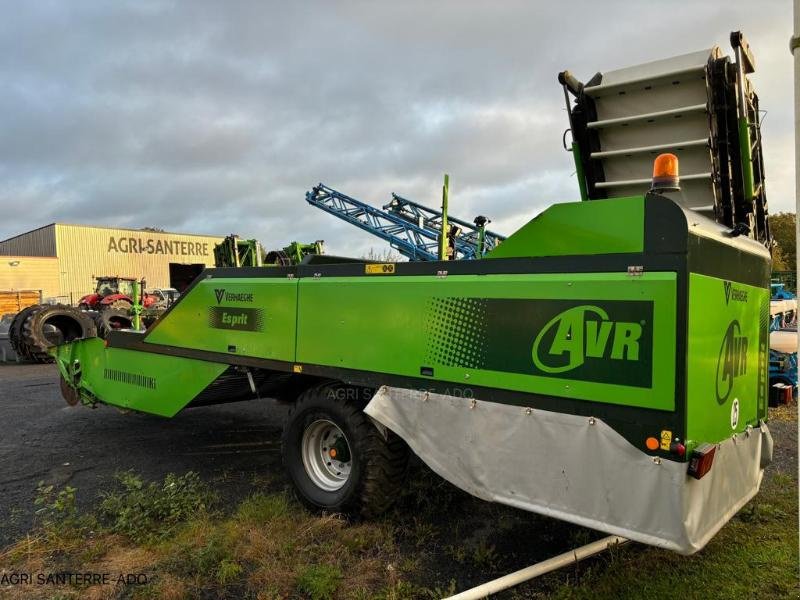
(114, 292)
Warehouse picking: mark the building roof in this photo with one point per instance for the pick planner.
(207, 235)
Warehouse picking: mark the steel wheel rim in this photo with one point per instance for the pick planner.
(324, 470)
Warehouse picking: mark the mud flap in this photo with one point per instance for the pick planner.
(573, 468)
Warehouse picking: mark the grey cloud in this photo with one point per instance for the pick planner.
(217, 117)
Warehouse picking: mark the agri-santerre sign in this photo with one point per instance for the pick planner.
(137, 245)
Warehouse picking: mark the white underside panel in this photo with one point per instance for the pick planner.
(574, 468)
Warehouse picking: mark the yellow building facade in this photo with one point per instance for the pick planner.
(76, 254)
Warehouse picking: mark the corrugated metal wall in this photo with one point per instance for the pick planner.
(39, 242)
(84, 252)
(30, 273)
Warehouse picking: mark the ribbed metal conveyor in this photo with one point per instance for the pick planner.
(698, 106)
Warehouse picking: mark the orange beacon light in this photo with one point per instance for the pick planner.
(665, 174)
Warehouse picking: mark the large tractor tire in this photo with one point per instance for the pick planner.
(54, 325)
(15, 331)
(110, 320)
(119, 305)
(278, 258)
(337, 458)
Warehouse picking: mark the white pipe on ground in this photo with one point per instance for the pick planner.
(551, 564)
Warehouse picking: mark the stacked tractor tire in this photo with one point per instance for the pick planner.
(36, 329)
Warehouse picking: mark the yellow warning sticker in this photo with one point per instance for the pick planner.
(379, 269)
(666, 439)
(297, 368)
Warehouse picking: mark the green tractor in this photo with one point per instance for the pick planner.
(607, 364)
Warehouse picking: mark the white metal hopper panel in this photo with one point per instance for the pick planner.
(651, 108)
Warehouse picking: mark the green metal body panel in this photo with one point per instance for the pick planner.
(257, 318)
(142, 381)
(557, 321)
(392, 325)
(597, 227)
(727, 369)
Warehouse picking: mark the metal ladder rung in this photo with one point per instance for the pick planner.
(654, 148)
(627, 182)
(646, 80)
(646, 116)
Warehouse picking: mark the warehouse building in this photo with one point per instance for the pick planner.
(61, 261)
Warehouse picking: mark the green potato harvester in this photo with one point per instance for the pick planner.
(606, 364)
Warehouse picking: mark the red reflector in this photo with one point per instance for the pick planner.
(701, 460)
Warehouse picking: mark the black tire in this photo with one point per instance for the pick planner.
(120, 305)
(278, 257)
(54, 325)
(378, 464)
(15, 331)
(110, 320)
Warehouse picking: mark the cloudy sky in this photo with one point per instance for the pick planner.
(216, 117)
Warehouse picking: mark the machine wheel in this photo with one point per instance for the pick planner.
(337, 458)
(111, 320)
(119, 304)
(69, 393)
(278, 257)
(54, 325)
(15, 331)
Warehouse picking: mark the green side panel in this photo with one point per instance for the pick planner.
(727, 360)
(603, 337)
(248, 317)
(151, 383)
(597, 227)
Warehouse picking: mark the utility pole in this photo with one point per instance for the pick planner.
(794, 47)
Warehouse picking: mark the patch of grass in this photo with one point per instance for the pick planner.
(199, 552)
(484, 555)
(423, 532)
(754, 556)
(145, 512)
(260, 509)
(319, 582)
(228, 571)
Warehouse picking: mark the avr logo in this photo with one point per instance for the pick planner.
(581, 333)
(732, 361)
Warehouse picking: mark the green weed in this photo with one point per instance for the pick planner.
(319, 582)
(151, 511)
